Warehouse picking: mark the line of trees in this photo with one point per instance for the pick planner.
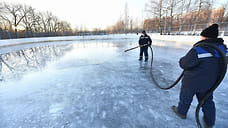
(125, 23)
(166, 17)
(17, 20)
(23, 21)
(184, 15)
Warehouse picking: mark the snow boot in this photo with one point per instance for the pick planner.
(140, 59)
(146, 58)
(174, 108)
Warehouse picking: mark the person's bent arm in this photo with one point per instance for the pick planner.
(190, 60)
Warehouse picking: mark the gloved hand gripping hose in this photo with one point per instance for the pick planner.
(210, 91)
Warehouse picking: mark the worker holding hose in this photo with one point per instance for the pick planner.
(201, 69)
(144, 42)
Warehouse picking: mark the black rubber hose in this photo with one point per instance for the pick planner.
(154, 80)
(218, 81)
(210, 91)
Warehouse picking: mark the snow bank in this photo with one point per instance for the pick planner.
(181, 38)
(13, 42)
(116, 37)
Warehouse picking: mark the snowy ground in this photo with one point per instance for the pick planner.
(89, 82)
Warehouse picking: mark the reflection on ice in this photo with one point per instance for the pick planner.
(13, 65)
(88, 53)
(55, 110)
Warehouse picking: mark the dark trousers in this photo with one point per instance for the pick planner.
(208, 108)
(145, 51)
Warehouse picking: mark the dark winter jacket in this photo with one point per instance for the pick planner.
(145, 39)
(202, 66)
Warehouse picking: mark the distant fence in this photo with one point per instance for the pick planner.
(27, 34)
(4, 34)
(189, 29)
(165, 30)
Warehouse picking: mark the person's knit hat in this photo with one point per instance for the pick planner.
(211, 31)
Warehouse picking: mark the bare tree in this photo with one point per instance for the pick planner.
(170, 6)
(126, 17)
(225, 6)
(53, 24)
(28, 20)
(202, 4)
(14, 14)
(4, 24)
(131, 24)
(4, 16)
(64, 27)
(118, 27)
(184, 8)
(44, 21)
(137, 24)
(155, 7)
(41, 22)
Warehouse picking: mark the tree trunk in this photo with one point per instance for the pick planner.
(197, 17)
(183, 21)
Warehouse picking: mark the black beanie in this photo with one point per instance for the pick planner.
(211, 31)
(144, 32)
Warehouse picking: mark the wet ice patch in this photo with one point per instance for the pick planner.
(103, 114)
(155, 114)
(55, 110)
(123, 103)
(114, 94)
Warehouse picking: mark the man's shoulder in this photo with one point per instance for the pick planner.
(148, 36)
(142, 36)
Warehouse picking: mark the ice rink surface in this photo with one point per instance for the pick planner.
(90, 82)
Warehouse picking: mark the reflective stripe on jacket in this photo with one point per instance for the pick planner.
(202, 66)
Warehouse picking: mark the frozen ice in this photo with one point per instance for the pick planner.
(90, 82)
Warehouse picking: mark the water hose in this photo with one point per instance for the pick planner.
(218, 81)
(136, 47)
(210, 91)
(154, 80)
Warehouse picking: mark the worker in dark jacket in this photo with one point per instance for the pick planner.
(144, 42)
(201, 69)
